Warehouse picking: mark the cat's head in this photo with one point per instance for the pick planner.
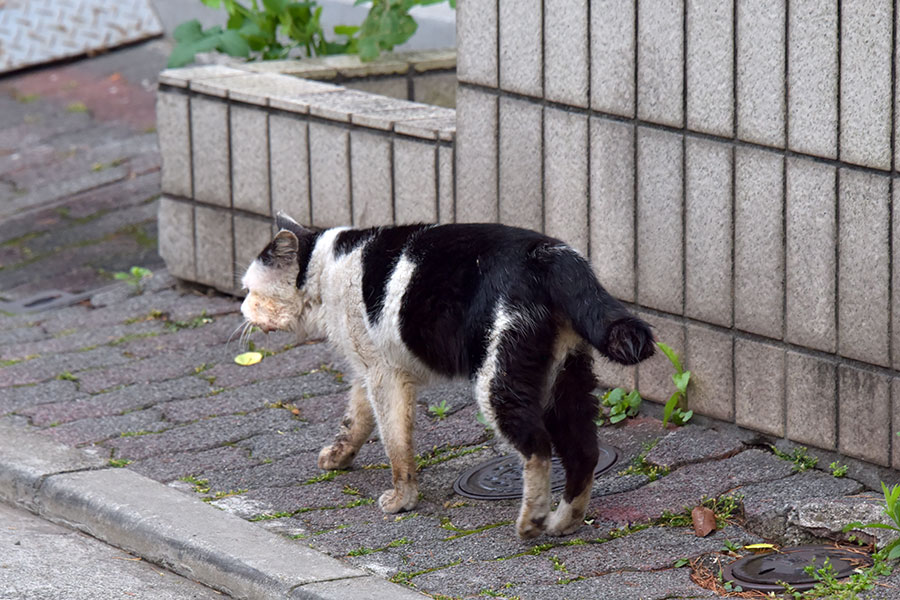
(276, 299)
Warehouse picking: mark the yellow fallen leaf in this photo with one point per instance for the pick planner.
(248, 358)
(760, 547)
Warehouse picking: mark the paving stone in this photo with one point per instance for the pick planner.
(688, 485)
(663, 585)
(461, 579)
(612, 56)
(660, 62)
(156, 368)
(767, 505)
(126, 399)
(651, 549)
(296, 361)
(865, 83)
(760, 72)
(566, 48)
(42, 369)
(79, 340)
(274, 484)
(813, 77)
(709, 65)
(92, 430)
(203, 434)
(692, 444)
(219, 331)
(21, 398)
(167, 467)
(827, 517)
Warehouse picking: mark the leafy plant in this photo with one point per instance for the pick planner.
(620, 404)
(439, 411)
(676, 408)
(134, 277)
(799, 456)
(837, 469)
(891, 508)
(278, 27)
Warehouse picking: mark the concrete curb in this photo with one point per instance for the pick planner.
(167, 527)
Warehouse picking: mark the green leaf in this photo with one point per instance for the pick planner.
(670, 354)
(681, 381)
(617, 418)
(348, 30)
(211, 3)
(189, 31)
(681, 562)
(670, 406)
(684, 417)
(613, 396)
(232, 44)
(183, 54)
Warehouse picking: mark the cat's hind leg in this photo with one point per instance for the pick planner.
(509, 388)
(356, 427)
(393, 395)
(570, 421)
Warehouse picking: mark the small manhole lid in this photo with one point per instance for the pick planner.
(763, 572)
(501, 478)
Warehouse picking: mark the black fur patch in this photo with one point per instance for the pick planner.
(351, 239)
(379, 259)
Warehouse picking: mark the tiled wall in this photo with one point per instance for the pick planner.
(239, 145)
(728, 166)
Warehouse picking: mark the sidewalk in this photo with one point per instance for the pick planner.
(168, 426)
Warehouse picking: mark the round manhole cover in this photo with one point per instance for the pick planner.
(763, 572)
(501, 478)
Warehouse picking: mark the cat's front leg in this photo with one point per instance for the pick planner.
(356, 427)
(393, 396)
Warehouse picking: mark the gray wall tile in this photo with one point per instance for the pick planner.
(521, 156)
(708, 231)
(810, 254)
(173, 131)
(612, 375)
(521, 54)
(476, 147)
(476, 41)
(811, 401)
(655, 373)
(371, 163)
(446, 199)
(659, 223)
(895, 401)
(612, 206)
(566, 177)
(865, 415)
(215, 251)
(709, 358)
(250, 237)
(289, 160)
(661, 62)
(329, 175)
(612, 56)
(710, 57)
(759, 242)
(759, 386)
(176, 237)
(566, 72)
(895, 280)
(760, 71)
(415, 184)
(813, 77)
(250, 159)
(209, 135)
(866, 31)
(864, 275)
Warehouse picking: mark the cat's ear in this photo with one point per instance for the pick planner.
(285, 246)
(284, 222)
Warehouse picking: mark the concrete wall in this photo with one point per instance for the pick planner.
(729, 168)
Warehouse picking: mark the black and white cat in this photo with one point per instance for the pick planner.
(513, 310)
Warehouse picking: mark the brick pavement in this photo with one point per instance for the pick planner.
(147, 381)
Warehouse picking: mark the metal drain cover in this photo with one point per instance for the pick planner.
(763, 572)
(501, 478)
(45, 300)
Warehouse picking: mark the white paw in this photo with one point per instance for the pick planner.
(394, 501)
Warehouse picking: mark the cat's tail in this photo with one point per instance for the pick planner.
(595, 315)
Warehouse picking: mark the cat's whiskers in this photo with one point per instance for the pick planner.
(241, 326)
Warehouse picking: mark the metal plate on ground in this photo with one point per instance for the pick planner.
(35, 32)
(501, 478)
(763, 572)
(46, 300)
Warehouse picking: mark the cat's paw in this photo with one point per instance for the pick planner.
(336, 456)
(530, 525)
(394, 501)
(565, 520)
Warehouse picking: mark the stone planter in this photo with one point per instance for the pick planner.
(240, 143)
